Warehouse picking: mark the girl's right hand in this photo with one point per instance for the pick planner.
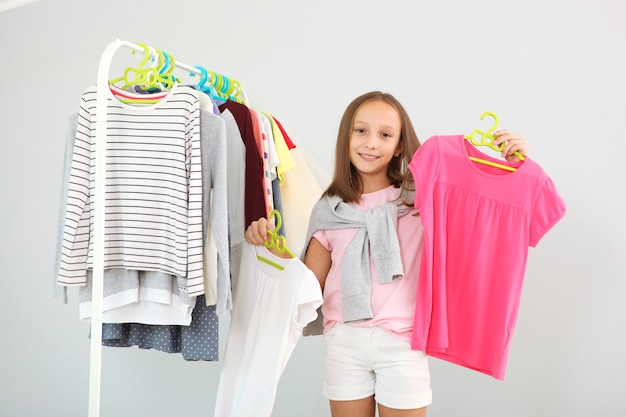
(256, 233)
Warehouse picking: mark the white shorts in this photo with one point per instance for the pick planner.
(365, 361)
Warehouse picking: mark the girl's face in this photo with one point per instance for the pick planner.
(374, 140)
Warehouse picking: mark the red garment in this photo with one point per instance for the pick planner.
(288, 141)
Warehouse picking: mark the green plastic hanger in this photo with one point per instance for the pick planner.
(487, 139)
(225, 87)
(134, 75)
(276, 242)
(158, 76)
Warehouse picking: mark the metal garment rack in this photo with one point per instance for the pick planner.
(95, 361)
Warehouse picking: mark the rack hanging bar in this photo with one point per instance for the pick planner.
(95, 361)
(179, 65)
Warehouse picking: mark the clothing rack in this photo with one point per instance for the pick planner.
(95, 362)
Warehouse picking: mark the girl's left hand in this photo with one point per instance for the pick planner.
(513, 142)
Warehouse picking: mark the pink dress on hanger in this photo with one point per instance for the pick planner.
(478, 224)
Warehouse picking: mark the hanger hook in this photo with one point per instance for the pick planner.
(204, 76)
(279, 220)
(495, 119)
(147, 54)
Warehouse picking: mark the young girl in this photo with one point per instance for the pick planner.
(358, 234)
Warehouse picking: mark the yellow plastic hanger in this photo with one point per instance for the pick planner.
(276, 242)
(148, 77)
(487, 139)
(137, 75)
(225, 87)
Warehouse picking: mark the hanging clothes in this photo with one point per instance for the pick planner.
(478, 224)
(197, 342)
(263, 332)
(190, 318)
(154, 191)
(255, 200)
(179, 165)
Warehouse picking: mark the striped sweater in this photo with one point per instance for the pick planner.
(153, 195)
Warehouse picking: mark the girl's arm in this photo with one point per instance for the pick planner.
(318, 260)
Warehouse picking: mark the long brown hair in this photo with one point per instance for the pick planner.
(347, 182)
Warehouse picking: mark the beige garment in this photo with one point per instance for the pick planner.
(299, 192)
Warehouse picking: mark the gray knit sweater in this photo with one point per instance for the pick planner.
(376, 237)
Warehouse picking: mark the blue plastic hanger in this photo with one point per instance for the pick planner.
(203, 86)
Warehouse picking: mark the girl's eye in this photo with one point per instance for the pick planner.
(385, 135)
(359, 130)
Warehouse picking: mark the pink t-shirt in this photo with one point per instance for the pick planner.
(478, 224)
(393, 303)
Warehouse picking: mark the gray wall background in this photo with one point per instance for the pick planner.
(552, 70)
